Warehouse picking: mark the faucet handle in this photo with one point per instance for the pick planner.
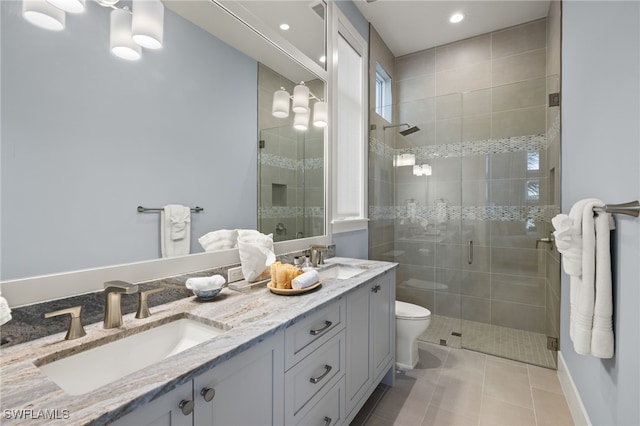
(75, 326)
(119, 286)
(143, 305)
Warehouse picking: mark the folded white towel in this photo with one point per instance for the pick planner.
(305, 280)
(175, 230)
(213, 282)
(5, 311)
(222, 239)
(256, 253)
(602, 335)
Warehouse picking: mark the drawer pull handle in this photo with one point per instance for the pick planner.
(208, 394)
(327, 421)
(186, 406)
(320, 330)
(315, 380)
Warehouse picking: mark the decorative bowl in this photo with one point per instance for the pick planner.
(207, 294)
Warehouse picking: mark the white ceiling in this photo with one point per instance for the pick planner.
(409, 26)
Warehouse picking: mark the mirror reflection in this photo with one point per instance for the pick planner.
(87, 136)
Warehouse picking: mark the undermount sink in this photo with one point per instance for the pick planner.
(339, 272)
(93, 368)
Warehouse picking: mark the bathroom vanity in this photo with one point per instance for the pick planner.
(312, 358)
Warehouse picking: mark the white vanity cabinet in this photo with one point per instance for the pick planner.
(247, 389)
(370, 339)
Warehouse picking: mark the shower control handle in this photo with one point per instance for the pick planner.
(470, 254)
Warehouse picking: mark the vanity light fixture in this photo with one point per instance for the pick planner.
(401, 160)
(300, 106)
(129, 30)
(422, 170)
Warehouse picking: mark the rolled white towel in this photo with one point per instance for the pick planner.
(305, 280)
(206, 283)
(5, 311)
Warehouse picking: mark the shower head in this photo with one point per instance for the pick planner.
(410, 130)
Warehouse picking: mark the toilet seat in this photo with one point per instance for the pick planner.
(409, 311)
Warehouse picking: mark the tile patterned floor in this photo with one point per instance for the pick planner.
(506, 342)
(452, 386)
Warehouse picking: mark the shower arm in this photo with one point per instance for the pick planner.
(395, 125)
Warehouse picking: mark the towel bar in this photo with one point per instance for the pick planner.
(158, 209)
(631, 208)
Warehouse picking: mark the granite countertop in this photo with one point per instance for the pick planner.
(248, 317)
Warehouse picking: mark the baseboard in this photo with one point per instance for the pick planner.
(578, 412)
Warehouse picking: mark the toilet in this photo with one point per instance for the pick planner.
(411, 321)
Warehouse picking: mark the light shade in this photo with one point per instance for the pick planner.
(422, 170)
(280, 107)
(121, 43)
(404, 160)
(43, 15)
(301, 121)
(320, 114)
(147, 24)
(300, 99)
(71, 6)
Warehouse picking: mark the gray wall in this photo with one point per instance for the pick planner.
(600, 158)
(87, 137)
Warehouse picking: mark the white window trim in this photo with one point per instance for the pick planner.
(340, 26)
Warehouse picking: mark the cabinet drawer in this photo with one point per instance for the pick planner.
(329, 410)
(310, 333)
(317, 372)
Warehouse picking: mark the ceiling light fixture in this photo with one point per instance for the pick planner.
(300, 106)
(129, 30)
(284, 27)
(456, 17)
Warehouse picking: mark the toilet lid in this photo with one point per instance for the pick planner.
(406, 310)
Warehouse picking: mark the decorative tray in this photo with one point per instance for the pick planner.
(292, 291)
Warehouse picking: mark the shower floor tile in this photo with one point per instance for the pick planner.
(520, 345)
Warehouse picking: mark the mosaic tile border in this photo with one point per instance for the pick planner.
(465, 149)
(290, 212)
(483, 213)
(274, 160)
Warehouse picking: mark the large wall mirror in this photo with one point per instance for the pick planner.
(87, 137)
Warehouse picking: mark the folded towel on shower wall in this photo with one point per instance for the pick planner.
(175, 230)
(584, 244)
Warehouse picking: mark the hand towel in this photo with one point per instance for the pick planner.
(602, 335)
(206, 283)
(5, 311)
(175, 230)
(222, 239)
(256, 254)
(305, 280)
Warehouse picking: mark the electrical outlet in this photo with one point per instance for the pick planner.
(234, 274)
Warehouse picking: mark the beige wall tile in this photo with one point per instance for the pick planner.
(519, 122)
(476, 102)
(519, 289)
(515, 261)
(464, 79)
(411, 89)
(449, 131)
(476, 309)
(519, 39)
(518, 316)
(415, 64)
(476, 128)
(463, 53)
(524, 66)
(554, 39)
(500, 413)
(448, 106)
(418, 111)
(520, 95)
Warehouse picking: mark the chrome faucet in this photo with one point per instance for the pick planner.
(316, 254)
(113, 291)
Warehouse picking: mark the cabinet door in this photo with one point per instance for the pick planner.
(359, 370)
(383, 323)
(162, 411)
(247, 390)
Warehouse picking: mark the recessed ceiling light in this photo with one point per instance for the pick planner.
(284, 27)
(456, 17)
(323, 59)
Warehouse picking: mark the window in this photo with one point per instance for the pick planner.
(383, 93)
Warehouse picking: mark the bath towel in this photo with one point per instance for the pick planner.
(175, 230)
(587, 259)
(222, 239)
(5, 311)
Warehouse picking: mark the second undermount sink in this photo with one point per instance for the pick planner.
(338, 271)
(93, 368)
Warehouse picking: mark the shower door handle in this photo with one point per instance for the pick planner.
(470, 252)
